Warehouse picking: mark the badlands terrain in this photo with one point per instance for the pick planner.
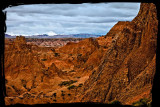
(48, 42)
(119, 66)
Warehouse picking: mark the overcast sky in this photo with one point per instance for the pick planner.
(54, 19)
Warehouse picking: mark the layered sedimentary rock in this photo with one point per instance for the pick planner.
(118, 66)
(127, 68)
(79, 52)
(25, 70)
(34, 74)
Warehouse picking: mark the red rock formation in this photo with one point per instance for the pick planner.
(118, 66)
(52, 42)
(79, 52)
(127, 68)
(24, 69)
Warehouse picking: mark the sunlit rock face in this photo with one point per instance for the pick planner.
(118, 66)
(127, 68)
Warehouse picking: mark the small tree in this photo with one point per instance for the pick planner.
(43, 59)
(62, 94)
(71, 87)
(141, 103)
(80, 85)
(56, 54)
(69, 94)
(54, 94)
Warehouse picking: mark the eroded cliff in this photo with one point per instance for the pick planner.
(118, 66)
(127, 68)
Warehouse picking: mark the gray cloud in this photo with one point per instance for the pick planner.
(95, 18)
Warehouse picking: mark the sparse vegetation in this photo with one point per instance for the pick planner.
(27, 95)
(118, 67)
(72, 71)
(42, 78)
(142, 103)
(70, 54)
(20, 98)
(67, 83)
(74, 87)
(54, 94)
(105, 47)
(45, 72)
(43, 59)
(78, 77)
(24, 82)
(54, 100)
(62, 94)
(53, 50)
(56, 54)
(69, 94)
(80, 85)
(79, 55)
(71, 87)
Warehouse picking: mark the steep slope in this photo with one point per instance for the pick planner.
(118, 66)
(128, 66)
(32, 75)
(78, 53)
(86, 46)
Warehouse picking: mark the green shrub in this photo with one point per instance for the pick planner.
(56, 54)
(53, 50)
(149, 104)
(71, 87)
(72, 71)
(70, 54)
(67, 83)
(43, 59)
(79, 55)
(54, 100)
(24, 82)
(80, 85)
(78, 77)
(54, 94)
(138, 103)
(142, 103)
(62, 94)
(69, 94)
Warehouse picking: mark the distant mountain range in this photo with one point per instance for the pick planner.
(84, 35)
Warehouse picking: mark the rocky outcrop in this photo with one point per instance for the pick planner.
(24, 68)
(52, 42)
(84, 47)
(80, 51)
(127, 68)
(118, 66)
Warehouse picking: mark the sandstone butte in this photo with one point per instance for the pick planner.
(118, 66)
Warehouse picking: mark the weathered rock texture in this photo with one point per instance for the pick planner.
(127, 69)
(118, 66)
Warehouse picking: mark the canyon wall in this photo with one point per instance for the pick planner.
(127, 68)
(119, 66)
